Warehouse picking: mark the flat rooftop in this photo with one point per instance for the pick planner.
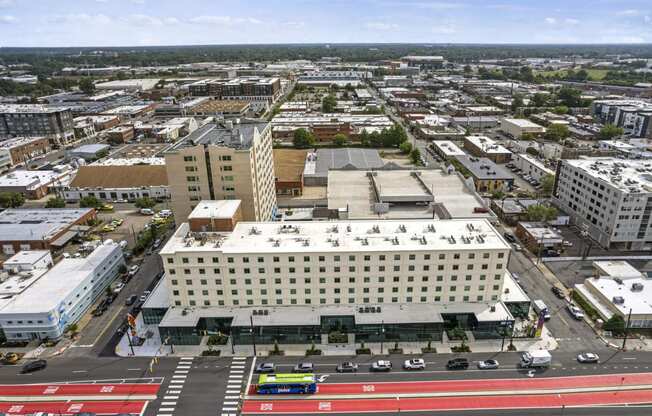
(488, 145)
(484, 169)
(638, 300)
(448, 148)
(355, 190)
(215, 209)
(616, 268)
(633, 176)
(542, 232)
(289, 164)
(238, 136)
(536, 162)
(19, 141)
(32, 179)
(37, 224)
(319, 163)
(522, 123)
(30, 108)
(343, 236)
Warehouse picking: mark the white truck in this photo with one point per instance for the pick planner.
(540, 307)
(536, 359)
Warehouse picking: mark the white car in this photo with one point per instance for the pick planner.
(576, 312)
(488, 364)
(414, 364)
(588, 358)
(381, 365)
(118, 287)
(144, 296)
(133, 270)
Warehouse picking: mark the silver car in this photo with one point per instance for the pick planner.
(488, 364)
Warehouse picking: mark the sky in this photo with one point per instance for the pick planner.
(51, 23)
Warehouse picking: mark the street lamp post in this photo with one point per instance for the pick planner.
(629, 318)
(382, 335)
(253, 333)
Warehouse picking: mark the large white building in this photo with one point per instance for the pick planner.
(610, 198)
(444, 265)
(39, 302)
(529, 165)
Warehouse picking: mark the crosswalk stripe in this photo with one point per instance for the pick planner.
(166, 409)
(181, 371)
(170, 397)
(168, 403)
(231, 403)
(239, 358)
(226, 409)
(233, 392)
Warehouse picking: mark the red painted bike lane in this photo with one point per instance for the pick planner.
(96, 390)
(70, 408)
(447, 403)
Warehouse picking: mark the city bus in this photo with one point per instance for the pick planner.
(286, 384)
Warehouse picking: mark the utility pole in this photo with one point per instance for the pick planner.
(382, 336)
(253, 333)
(629, 318)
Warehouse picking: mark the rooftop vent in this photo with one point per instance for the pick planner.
(618, 300)
(637, 287)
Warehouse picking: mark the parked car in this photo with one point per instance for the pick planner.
(34, 366)
(575, 311)
(588, 358)
(457, 364)
(509, 237)
(131, 300)
(144, 296)
(488, 364)
(156, 243)
(415, 364)
(11, 358)
(381, 365)
(347, 367)
(118, 287)
(265, 368)
(147, 211)
(133, 270)
(550, 253)
(304, 368)
(558, 292)
(122, 330)
(517, 247)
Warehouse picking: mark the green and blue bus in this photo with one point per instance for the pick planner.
(286, 384)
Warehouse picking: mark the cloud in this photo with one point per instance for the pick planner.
(138, 1)
(7, 19)
(294, 24)
(440, 5)
(631, 39)
(571, 21)
(381, 26)
(6, 3)
(647, 19)
(143, 19)
(223, 20)
(550, 20)
(171, 20)
(628, 12)
(93, 19)
(446, 29)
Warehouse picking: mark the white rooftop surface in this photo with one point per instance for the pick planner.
(448, 148)
(616, 268)
(640, 302)
(29, 179)
(542, 232)
(627, 175)
(37, 224)
(18, 283)
(126, 109)
(17, 141)
(344, 236)
(50, 289)
(536, 162)
(215, 209)
(392, 185)
(353, 189)
(512, 291)
(522, 122)
(130, 161)
(144, 84)
(488, 145)
(25, 257)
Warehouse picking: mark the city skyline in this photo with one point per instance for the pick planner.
(100, 23)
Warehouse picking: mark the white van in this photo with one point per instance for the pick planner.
(540, 307)
(147, 211)
(164, 213)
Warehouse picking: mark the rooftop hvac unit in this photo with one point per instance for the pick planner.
(637, 287)
(618, 300)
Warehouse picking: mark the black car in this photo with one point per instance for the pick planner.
(457, 364)
(34, 366)
(550, 253)
(509, 237)
(121, 331)
(558, 292)
(131, 299)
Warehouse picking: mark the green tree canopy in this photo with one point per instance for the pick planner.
(145, 202)
(547, 183)
(560, 109)
(86, 85)
(541, 213)
(303, 139)
(340, 139)
(406, 147)
(609, 131)
(517, 102)
(569, 97)
(615, 324)
(415, 156)
(539, 100)
(89, 202)
(55, 202)
(557, 132)
(11, 199)
(328, 104)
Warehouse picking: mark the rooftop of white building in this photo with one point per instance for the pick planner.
(18, 141)
(625, 294)
(522, 122)
(215, 209)
(488, 145)
(32, 179)
(448, 148)
(536, 162)
(632, 176)
(343, 236)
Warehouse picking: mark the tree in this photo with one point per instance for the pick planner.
(340, 139)
(609, 131)
(86, 85)
(527, 136)
(557, 132)
(303, 139)
(547, 183)
(11, 199)
(560, 109)
(569, 97)
(328, 103)
(517, 102)
(541, 213)
(615, 324)
(56, 202)
(539, 100)
(145, 202)
(89, 202)
(405, 147)
(459, 333)
(415, 156)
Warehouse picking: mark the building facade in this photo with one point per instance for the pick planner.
(224, 161)
(55, 123)
(633, 116)
(609, 198)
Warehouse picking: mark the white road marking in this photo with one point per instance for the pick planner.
(232, 397)
(133, 369)
(181, 371)
(166, 409)
(227, 409)
(231, 403)
(170, 397)
(180, 376)
(80, 371)
(168, 403)
(233, 392)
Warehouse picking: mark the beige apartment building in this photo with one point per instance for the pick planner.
(226, 161)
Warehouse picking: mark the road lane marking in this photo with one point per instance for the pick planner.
(232, 397)
(80, 371)
(232, 391)
(170, 397)
(133, 369)
(166, 409)
(168, 403)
